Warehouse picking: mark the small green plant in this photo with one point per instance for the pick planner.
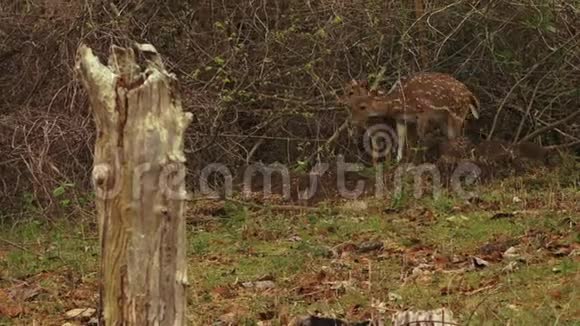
(60, 193)
(321, 33)
(399, 200)
(313, 218)
(301, 166)
(200, 245)
(443, 204)
(542, 20)
(507, 58)
(29, 202)
(220, 25)
(219, 61)
(235, 214)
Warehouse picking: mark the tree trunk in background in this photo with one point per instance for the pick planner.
(138, 176)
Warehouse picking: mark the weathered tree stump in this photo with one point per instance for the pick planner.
(138, 177)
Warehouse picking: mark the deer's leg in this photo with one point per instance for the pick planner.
(454, 126)
(401, 136)
(375, 154)
(422, 123)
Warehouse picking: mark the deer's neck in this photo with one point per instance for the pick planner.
(390, 105)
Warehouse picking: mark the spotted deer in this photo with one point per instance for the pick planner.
(419, 99)
(361, 87)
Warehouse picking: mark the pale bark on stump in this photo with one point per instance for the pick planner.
(138, 176)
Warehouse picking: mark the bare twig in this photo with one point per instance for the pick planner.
(330, 140)
(566, 145)
(528, 109)
(550, 126)
(528, 73)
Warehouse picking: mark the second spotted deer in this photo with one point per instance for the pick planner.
(421, 99)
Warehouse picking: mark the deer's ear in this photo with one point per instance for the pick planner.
(353, 82)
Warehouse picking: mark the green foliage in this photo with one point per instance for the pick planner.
(49, 247)
(302, 167)
(399, 200)
(443, 204)
(236, 214)
(321, 33)
(61, 194)
(200, 243)
(541, 18)
(376, 78)
(219, 61)
(506, 58)
(220, 26)
(29, 203)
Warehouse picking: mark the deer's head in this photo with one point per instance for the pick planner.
(361, 108)
(354, 88)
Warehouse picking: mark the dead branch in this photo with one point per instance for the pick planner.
(550, 126)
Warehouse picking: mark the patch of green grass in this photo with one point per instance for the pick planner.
(200, 243)
(399, 200)
(235, 215)
(468, 232)
(312, 249)
(443, 204)
(245, 244)
(533, 295)
(49, 246)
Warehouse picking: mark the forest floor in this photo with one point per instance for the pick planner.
(511, 257)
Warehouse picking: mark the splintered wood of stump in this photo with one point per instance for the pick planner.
(138, 176)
